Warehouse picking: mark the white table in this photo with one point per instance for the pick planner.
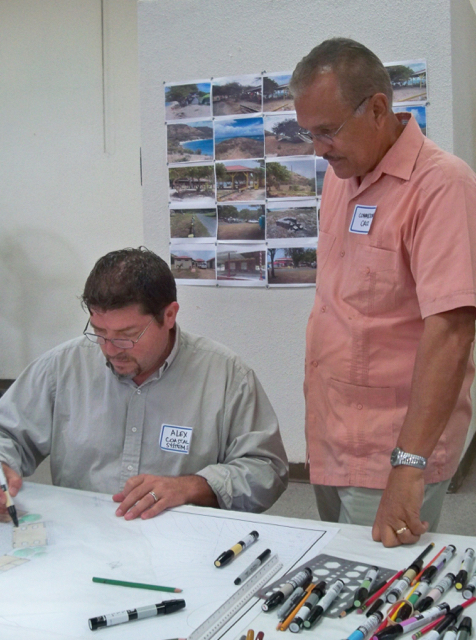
(52, 596)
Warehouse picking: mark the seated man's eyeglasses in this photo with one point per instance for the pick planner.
(327, 138)
(120, 343)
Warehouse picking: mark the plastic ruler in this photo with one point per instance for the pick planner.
(238, 600)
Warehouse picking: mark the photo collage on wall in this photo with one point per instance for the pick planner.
(244, 183)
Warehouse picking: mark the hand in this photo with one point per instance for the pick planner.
(400, 507)
(14, 482)
(136, 499)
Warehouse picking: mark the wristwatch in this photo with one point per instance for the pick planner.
(399, 457)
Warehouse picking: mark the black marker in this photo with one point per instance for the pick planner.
(324, 604)
(304, 612)
(253, 566)
(436, 592)
(363, 591)
(161, 609)
(437, 632)
(285, 591)
(464, 629)
(466, 566)
(226, 557)
(470, 588)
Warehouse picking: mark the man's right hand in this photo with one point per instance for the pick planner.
(14, 482)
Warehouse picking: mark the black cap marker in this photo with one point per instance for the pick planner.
(149, 611)
(229, 555)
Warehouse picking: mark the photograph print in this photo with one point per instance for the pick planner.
(190, 142)
(194, 184)
(276, 94)
(187, 101)
(418, 111)
(291, 178)
(239, 138)
(196, 264)
(241, 222)
(408, 80)
(291, 220)
(282, 137)
(193, 224)
(237, 94)
(240, 180)
(240, 265)
(291, 266)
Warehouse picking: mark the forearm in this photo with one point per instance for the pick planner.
(438, 375)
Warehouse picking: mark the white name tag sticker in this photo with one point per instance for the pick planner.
(362, 218)
(174, 438)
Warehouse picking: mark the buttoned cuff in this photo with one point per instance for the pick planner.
(219, 480)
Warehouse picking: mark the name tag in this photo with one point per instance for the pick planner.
(177, 439)
(362, 218)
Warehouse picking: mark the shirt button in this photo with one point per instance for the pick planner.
(323, 309)
(315, 363)
(138, 392)
(342, 254)
(130, 467)
(359, 406)
(134, 429)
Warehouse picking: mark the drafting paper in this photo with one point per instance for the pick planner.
(29, 535)
(10, 562)
(176, 549)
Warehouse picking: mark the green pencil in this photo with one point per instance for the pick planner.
(137, 585)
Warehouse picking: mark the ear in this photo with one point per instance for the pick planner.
(170, 314)
(379, 108)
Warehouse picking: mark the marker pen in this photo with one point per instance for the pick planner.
(464, 629)
(441, 627)
(381, 591)
(316, 594)
(465, 569)
(470, 588)
(253, 566)
(431, 571)
(451, 632)
(293, 599)
(9, 504)
(436, 592)
(285, 591)
(420, 592)
(149, 611)
(226, 557)
(403, 584)
(415, 622)
(366, 627)
(324, 604)
(363, 590)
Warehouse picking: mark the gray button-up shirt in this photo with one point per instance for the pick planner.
(204, 412)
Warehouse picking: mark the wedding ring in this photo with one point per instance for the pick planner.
(156, 499)
(399, 531)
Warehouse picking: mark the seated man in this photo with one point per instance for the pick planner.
(138, 408)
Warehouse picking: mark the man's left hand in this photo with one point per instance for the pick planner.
(137, 497)
(399, 509)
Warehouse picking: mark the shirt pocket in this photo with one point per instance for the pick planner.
(362, 419)
(324, 246)
(369, 284)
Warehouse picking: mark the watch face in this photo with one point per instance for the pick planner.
(394, 456)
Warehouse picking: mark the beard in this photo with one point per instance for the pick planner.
(125, 376)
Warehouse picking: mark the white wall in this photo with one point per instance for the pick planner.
(64, 202)
(192, 39)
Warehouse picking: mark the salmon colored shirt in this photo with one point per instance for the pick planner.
(373, 291)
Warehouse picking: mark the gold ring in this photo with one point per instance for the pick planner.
(156, 498)
(399, 531)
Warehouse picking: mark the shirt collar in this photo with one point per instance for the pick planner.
(159, 373)
(400, 159)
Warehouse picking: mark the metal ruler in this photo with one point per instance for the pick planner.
(238, 600)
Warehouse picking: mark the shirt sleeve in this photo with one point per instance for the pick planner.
(443, 256)
(253, 470)
(26, 415)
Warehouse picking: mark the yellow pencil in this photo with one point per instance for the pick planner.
(285, 624)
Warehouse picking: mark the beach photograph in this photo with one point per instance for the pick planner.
(291, 178)
(292, 266)
(192, 265)
(408, 80)
(192, 183)
(276, 95)
(237, 94)
(321, 168)
(239, 138)
(193, 223)
(243, 180)
(417, 111)
(291, 222)
(241, 222)
(187, 101)
(282, 137)
(190, 142)
(249, 267)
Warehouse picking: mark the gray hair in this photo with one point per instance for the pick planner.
(359, 71)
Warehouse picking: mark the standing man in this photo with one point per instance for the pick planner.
(389, 341)
(140, 409)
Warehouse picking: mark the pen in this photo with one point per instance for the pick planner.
(464, 629)
(465, 569)
(381, 591)
(363, 590)
(9, 504)
(136, 585)
(149, 611)
(324, 604)
(285, 591)
(438, 590)
(419, 576)
(253, 566)
(316, 594)
(367, 626)
(401, 586)
(226, 557)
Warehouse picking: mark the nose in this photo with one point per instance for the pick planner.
(109, 349)
(321, 147)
